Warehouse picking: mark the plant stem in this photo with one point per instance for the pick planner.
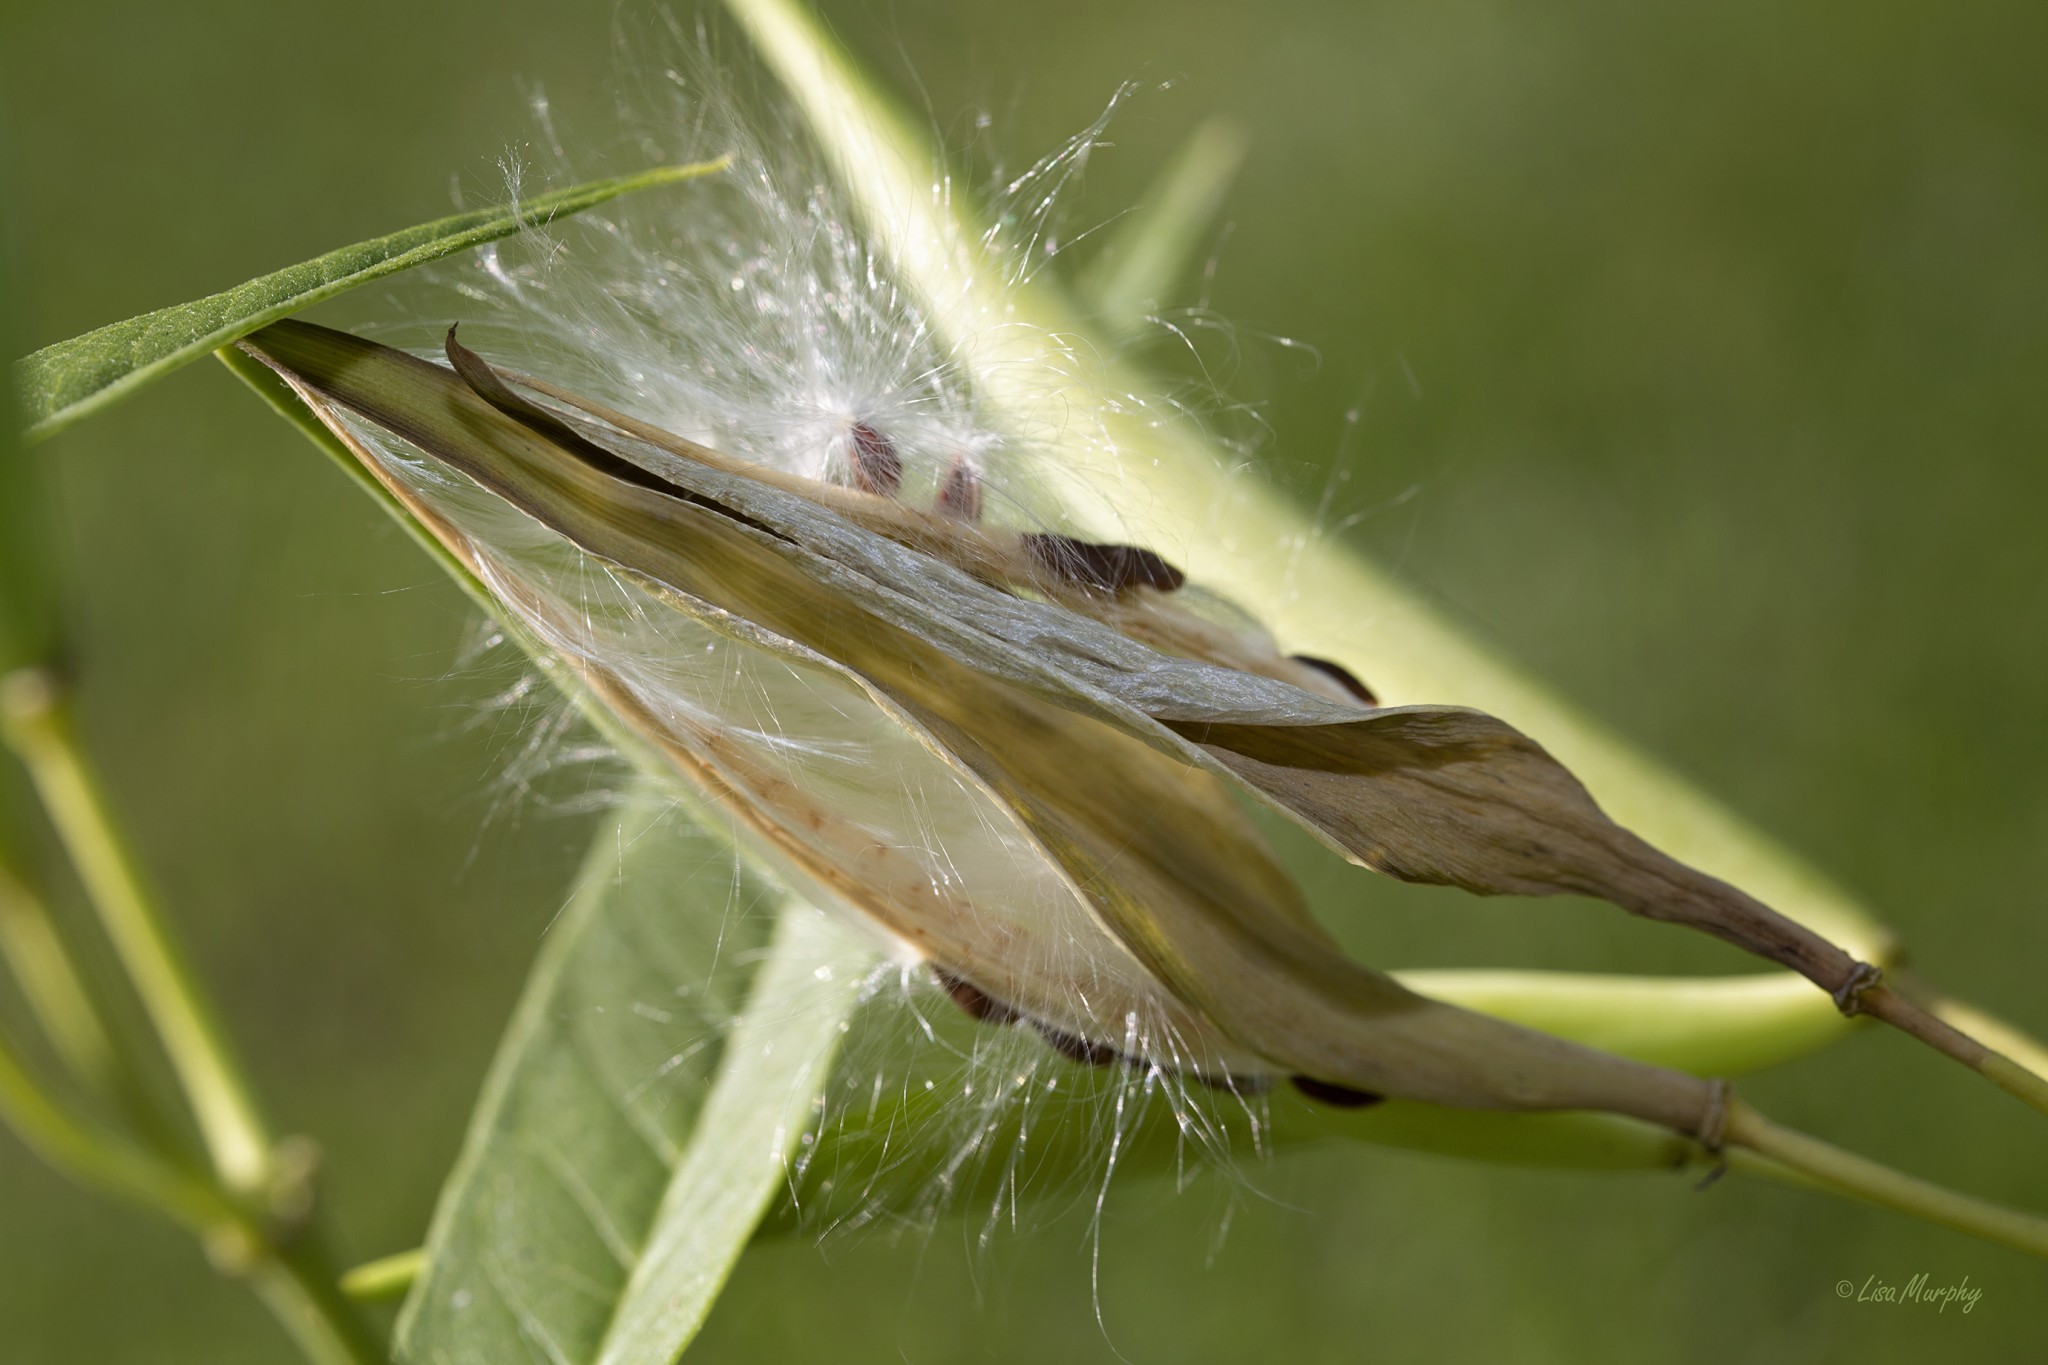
(299, 1285)
(1861, 1178)
(100, 1159)
(2017, 1046)
(1856, 987)
(51, 986)
(35, 720)
(1067, 1147)
(1883, 1002)
(294, 1280)
(245, 1230)
(57, 996)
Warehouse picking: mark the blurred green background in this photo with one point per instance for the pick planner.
(1697, 357)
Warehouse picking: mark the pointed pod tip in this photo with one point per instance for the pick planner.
(476, 372)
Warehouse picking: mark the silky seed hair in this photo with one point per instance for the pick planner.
(749, 313)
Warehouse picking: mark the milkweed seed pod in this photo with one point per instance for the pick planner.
(1013, 751)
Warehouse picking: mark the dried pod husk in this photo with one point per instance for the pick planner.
(1433, 794)
(1104, 751)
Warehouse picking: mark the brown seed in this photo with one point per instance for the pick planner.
(974, 1001)
(960, 495)
(1344, 677)
(1343, 1096)
(876, 466)
(1106, 568)
(1233, 1085)
(984, 1008)
(1076, 1049)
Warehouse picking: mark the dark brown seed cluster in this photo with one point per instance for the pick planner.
(876, 468)
(1106, 568)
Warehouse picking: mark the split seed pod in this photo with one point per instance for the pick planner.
(1087, 730)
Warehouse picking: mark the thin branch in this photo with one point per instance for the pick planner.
(95, 1055)
(1861, 1178)
(35, 721)
(100, 1159)
(287, 1268)
(299, 1284)
(2016, 1044)
(1896, 1009)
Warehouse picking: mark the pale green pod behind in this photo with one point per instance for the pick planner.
(1126, 469)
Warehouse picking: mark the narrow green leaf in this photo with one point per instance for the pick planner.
(62, 383)
(627, 1141)
(1151, 250)
(54, 991)
(776, 1061)
(27, 609)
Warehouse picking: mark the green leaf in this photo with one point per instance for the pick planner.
(62, 383)
(776, 1061)
(632, 1131)
(27, 594)
(1152, 249)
